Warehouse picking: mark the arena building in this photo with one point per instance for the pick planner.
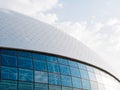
(38, 56)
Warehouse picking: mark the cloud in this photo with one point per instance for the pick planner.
(34, 8)
(29, 6)
(49, 18)
(113, 21)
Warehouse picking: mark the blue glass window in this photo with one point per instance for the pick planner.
(66, 81)
(54, 79)
(0, 59)
(8, 52)
(84, 74)
(25, 63)
(78, 89)
(41, 86)
(25, 86)
(75, 72)
(64, 69)
(76, 82)
(8, 85)
(66, 88)
(53, 67)
(73, 64)
(9, 73)
(89, 68)
(41, 77)
(24, 54)
(9, 60)
(25, 75)
(82, 66)
(53, 87)
(63, 61)
(51, 59)
(40, 65)
(86, 84)
(39, 56)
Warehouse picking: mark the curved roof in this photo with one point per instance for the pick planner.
(22, 32)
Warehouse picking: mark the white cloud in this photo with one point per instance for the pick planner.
(33, 8)
(113, 21)
(29, 6)
(47, 18)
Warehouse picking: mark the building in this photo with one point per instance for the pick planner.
(37, 56)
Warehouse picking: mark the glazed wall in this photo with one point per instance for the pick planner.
(24, 70)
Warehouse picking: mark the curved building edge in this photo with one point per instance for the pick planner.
(72, 59)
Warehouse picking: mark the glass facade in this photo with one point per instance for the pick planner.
(24, 70)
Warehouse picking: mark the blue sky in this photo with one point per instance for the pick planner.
(96, 23)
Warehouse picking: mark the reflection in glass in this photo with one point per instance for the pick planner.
(25, 75)
(64, 70)
(54, 79)
(66, 81)
(40, 65)
(53, 67)
(41, 77)
(8, 60)
(25, 63)
(9, 73)
(76, 82)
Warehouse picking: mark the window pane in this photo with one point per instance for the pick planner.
(92, 76)
(25, 86)
(25, 63)
(41, 86)
(94, 85)
(8, 85)
(78, 89)
(73, 64)
(39, 56)
(64, 70)
(0, 59)
(40, 65)
(25, 75)
(54, 79)
(84, 74)
(8, 52)
(66, 88)
(51, 59)
(82, 66)
(86, 84)
(89, 68)
(24, 54)
(53, 67)
(9, 73)
(9, 60)
(63, 61)
(76, 82)
(53, 87)
(66, 81)
(75, 72)
(41, 77)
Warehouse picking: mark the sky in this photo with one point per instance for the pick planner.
(96, 23)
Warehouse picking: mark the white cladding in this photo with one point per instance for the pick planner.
(23, 32)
